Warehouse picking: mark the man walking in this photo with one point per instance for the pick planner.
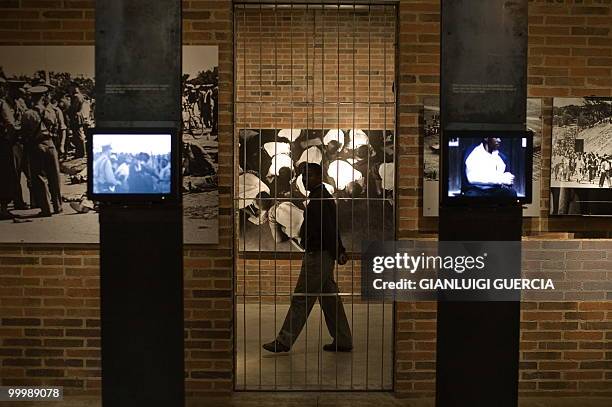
(320, 237)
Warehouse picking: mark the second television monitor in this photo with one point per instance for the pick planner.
(487, 167)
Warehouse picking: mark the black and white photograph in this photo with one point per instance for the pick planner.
(358, 171)
(200, 103)
(581, 160)
(432, 151)
(48, 103)
(431, 139)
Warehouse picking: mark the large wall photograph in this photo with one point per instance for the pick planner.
(358, 171)
(432, 151)
(57, 82)
(581, 161)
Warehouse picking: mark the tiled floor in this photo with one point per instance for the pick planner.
(307, 367)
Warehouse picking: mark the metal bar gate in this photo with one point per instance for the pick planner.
(314, 84)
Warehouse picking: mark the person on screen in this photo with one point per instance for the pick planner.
(104, 175)
(485, 170)
(122, 173)
(320, 237)
(142, 177)
(164, 175)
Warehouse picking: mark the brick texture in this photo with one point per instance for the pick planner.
(49, 314)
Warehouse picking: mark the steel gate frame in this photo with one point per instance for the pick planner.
(309, 4)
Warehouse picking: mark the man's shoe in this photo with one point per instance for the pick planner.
(43, 215)
(275, 347)
(333, 347)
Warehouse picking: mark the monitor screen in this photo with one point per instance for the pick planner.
(131, 163)
(488, 166)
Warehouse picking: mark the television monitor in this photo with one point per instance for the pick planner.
(487, 167)
(133, 164)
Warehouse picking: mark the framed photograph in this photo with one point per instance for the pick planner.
(43, 193)
(358, 172)
(581, 159)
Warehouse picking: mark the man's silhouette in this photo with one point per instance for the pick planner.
(320, 237)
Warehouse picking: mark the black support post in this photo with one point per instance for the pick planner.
(483, 87)
(138, 84)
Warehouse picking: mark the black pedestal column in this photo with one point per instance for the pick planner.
(138, 84)
(483, 86)
(478, 342)
(141, 288)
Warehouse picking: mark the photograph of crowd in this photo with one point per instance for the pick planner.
(581, 161)
(358, 171)
(200, 153)
(47, 103)
(431, 155)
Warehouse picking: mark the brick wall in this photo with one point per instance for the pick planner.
(293, 66)
(49, 305)
(49, 295)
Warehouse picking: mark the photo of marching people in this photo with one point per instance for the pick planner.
(358, 172)
(47, 103)
(581, 162)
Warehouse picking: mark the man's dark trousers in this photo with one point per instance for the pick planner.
(316, 277)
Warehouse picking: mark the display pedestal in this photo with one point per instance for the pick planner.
(141, 291)
(478, 342)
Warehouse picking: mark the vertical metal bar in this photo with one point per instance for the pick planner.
(352, 200)
(244, 268)
(291, 190)
(319, 353)
(275, 152)
(384, 191)
(260, 129)
(367, 195)
(305, 212)
(396, 71)
(337, 267)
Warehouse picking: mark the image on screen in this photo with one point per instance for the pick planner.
(132, 164)
(491, 168)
